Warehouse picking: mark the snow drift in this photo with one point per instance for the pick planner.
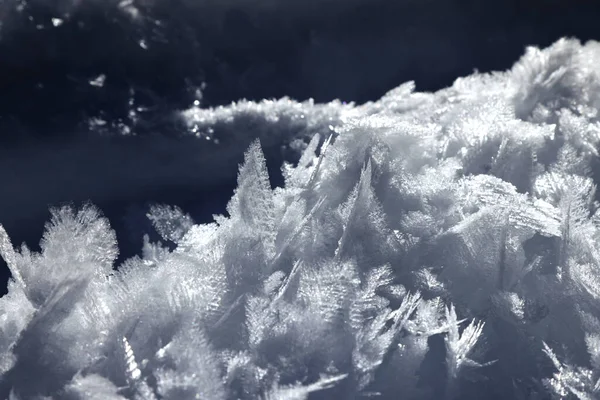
(433, 245)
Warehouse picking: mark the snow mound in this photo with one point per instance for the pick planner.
(437, 245)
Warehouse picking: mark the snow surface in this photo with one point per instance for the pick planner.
(120, 73)
(433, 245)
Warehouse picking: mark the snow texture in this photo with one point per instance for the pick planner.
(117, 171)
(92, 91)
(426, 245)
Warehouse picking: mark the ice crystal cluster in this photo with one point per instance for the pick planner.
(426, 246)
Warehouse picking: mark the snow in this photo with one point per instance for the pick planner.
(438, 244)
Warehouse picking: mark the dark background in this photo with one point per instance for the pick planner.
(157, 56)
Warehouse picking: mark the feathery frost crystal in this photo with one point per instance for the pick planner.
(426, 246)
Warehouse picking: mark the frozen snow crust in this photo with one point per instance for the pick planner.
(426, 246)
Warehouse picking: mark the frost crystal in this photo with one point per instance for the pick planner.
(402, 219)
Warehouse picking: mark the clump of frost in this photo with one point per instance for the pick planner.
(438, 245)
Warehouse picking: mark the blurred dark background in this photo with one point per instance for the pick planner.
(65, 65)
